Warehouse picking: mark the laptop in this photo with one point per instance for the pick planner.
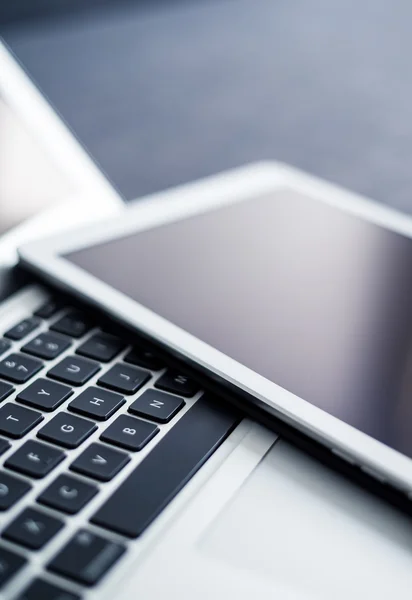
(250, 514)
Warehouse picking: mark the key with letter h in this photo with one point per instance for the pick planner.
(97, 403)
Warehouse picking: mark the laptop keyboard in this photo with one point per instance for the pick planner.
(80, 408)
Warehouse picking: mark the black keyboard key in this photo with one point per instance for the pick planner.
(66, 430)
(44, 394)
(47, 345)
(19, 331)
(32, 529)
(43, 590)
(68, 494)
(11, 490)
(74, 370)
(101, 347)
(5, 390)
(97, 403)
(143, 357)
(100, 462)
(16, 421)
(125, 379)
(34, 459)
(177, 383)
(19, 368)
(157, 406)
(48, 309)
(167, 468)
(74, 324)
(4, 346)
(86, 558)
(4, 445)
(10, 564)
(129, 433)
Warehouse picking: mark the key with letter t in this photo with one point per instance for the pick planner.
(16, 421)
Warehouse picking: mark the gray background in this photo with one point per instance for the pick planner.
(164, 92)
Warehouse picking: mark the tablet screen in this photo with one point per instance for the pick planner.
(312, 298)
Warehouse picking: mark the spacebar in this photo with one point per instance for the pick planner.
(169, 466)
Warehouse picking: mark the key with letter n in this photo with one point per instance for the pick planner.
(157, 406)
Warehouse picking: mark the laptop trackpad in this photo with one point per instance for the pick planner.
(307, 529)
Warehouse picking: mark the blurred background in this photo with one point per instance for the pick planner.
(162, 92)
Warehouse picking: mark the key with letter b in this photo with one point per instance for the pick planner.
(129, 433)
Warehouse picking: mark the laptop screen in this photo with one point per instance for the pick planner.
(30, 181)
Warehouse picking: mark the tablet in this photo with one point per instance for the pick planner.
(289, 289)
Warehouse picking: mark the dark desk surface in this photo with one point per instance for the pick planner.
(164, 95)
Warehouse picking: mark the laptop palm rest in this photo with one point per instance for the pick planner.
(296, 524)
